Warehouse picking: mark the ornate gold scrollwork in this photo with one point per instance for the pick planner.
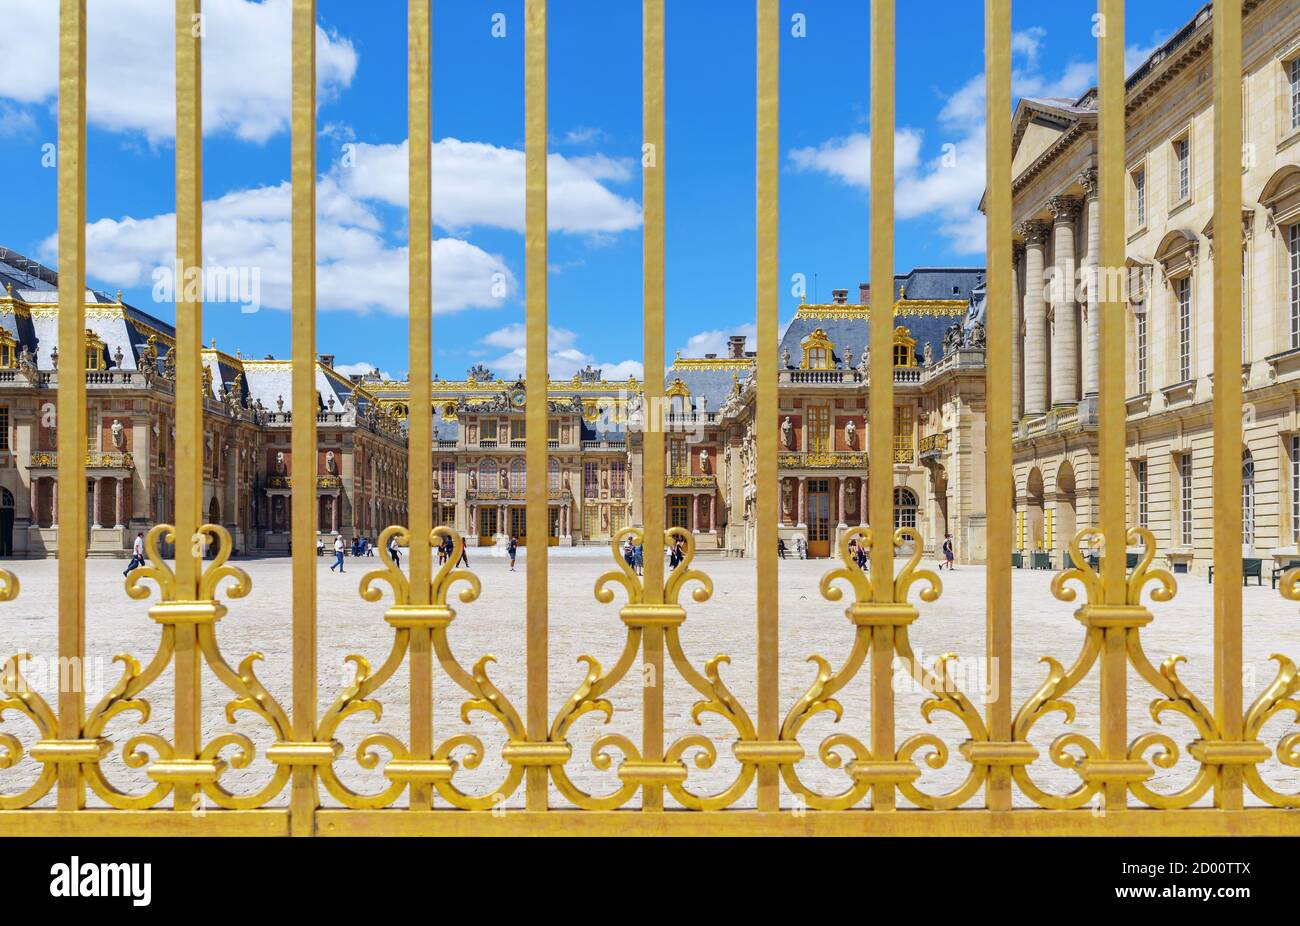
(408, 620)
(670, 770)
(201, 612)
(1282, 694)
(864, 769)
(1076, 751)
(17, 695)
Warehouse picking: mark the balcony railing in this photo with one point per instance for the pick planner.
(95, 459)
(932, 445)
(841, 459)
(694, 481)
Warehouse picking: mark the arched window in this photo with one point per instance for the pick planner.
(904, 507)
(818, 351)
(1248, 499)
(487, 476)
(518, 477)
(904, 348)
(553, 482)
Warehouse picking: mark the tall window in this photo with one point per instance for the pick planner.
(553, 480)
(487, 435)
(1293, 250)
(1183, 157)
(590, 480)
(1295, 489)
(1185, 497)
(1295, 93)
(1143, 491)
(1245, 303)
(447, 478)
(819, 428)
(518, 429)
(679, 462)
(1140, 197)
(518, 476)
(590, 521)
(1183, 292)
(1140, 345)
(902, 433)
(904, 507)
(617, 479)
(4, 427)
(487, 476)
(1248, 499)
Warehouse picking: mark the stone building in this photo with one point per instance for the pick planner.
(1170, 257)
(130, 386)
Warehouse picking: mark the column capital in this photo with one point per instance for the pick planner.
(1088, 180)
(1034, 232)
(1063, 208)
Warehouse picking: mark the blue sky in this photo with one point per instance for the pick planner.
(595, 119)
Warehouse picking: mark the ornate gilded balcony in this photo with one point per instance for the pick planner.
(841, 459)
(513, 495)
(932, 445)
(95, 459)
(696, 481)
(329, 483)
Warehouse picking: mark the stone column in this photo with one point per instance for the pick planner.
(862, 501)
(1017, 329)
(120, 505)
(801, 500)
(334, 514)
(34, 489)
(54, 502)
(1035, 235)
(713, 513)
(96, 496)
(1092, 324)
(1065, 330)
(840, 513)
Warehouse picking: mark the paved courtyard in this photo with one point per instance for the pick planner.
(578, 624)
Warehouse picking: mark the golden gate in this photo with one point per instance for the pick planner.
(998, 759)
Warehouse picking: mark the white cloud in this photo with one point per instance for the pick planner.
(715, 341)
(357, 269)
(849, 157)
(945, 189)
(478, 184)
(131, 71)
(564, 357)
(584, 135)
(361, 368)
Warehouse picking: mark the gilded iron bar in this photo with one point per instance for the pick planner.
(71, 400)
(1227, 411)
(536, 712)
(304, 797)
(189, 542)
(1111, 480)
(652, 482)
(419, 503)
(997, 387)
(766, 414)
(881, 391)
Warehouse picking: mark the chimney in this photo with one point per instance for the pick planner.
(736, 346)
(327, 360)
(864, 293)
(839, 296)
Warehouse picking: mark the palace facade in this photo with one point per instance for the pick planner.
(1170, 257)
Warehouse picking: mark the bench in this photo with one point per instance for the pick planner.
(1250, 569)
(1279, 571)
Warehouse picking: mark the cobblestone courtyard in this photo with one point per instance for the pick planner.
(578, 624)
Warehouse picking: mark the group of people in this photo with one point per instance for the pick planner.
(634, 554)
(859, 551)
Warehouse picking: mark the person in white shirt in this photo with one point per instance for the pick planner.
(137, 554)
(338, 554)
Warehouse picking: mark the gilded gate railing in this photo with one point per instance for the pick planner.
(421, 794)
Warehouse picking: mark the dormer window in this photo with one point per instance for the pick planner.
(8, 350)
(904, 348)
(818, 351)
(94, 352)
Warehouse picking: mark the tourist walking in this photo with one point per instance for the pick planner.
(638, 557)
(512, 548)
(395, 552)
(137, 554)
(948, 552)
(338, 554)
(780, 548)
